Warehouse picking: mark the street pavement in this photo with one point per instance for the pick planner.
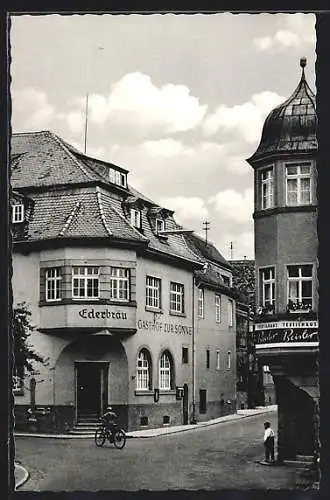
(211, 457)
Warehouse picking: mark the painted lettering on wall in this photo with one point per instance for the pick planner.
(289, 335)
(157, 326)
(106, 314)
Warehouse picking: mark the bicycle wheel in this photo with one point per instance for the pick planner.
(119, 439)
(99, 437)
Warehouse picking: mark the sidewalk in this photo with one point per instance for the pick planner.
(148, 433)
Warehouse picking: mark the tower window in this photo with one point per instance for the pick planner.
(267, 188)
(298, 184)
(267, 278)
(300, 286)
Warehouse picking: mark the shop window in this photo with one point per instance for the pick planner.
(202, 401)
(166, 375)
(143, 421)
(176, 297)
(143, 371)
(298, 184)
(185, 355)
(53, 281)
(217, 308)
(153, 292)
(17, 213)
(119, 284)
(85, 282)
(267, 188)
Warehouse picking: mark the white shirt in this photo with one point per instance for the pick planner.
(269, 433)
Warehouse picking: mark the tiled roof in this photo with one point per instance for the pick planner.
(206, 250)
(43, 159)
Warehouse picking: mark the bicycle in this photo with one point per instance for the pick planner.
(116, 436)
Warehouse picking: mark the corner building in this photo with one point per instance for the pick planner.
(285, 223)
(110, 280)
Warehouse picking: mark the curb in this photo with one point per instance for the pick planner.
(234, 416)
(25, 477)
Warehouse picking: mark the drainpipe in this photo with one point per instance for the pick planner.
(193, 363)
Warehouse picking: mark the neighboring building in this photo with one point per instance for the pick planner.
(285, 219)
(111, 283)
(250, 378)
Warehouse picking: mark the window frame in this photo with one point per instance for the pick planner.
(120, 279)
(18, 213)
(177, 293)
(300, 279)
(160, 221)
(268, 183)
(208, 358)
(85, 277)
(229, 360)
(136, 218)
(166, 373)
(271, 282)
(217, 308)
(56, 280)
(117, 177)
(218, 360)
(298, 177)
(185, 355)
(153, 288)
(143, 373)
(200, 303)
(230, 312)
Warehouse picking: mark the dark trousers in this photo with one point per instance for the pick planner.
(270, 449)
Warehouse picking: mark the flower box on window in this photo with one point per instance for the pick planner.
(298, 307)
(266, 310)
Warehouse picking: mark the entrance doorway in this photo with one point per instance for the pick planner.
(185, 405)
(92, 390)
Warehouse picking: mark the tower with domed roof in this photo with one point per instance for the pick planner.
(285, 228)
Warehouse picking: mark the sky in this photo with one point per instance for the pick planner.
(177, 100)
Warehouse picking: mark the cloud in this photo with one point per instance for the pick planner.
(186, 209)
(299, 30)
(246, 119)
(234, 206)
(31, 110)
(134, 101)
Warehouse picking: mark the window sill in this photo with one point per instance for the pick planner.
(154, 310)
(144, 392)
(100, 301)
(174, 313)
(167, 392)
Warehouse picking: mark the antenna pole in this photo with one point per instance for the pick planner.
(206, 228)
(86, 122)
(231, 250)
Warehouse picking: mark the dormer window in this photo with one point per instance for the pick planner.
(136, 218)
(17, 213)
(117, 177)
(160, 225)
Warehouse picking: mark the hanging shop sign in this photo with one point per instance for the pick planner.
(158, 326)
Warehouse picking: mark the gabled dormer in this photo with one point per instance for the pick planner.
(157, 218)
(18, 208)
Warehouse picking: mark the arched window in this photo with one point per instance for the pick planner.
(143, 371)
(166, 375)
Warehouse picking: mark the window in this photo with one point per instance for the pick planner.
(228, 360)
(230, 312)
(267, 286)
(176, 297)
(160, 225)
(153, 292)
(117, 177)
(119, 284)
(226, 280)
(218, 360)
(165, 372)
(300, 285)
(298, 184)
(85, 282)
(202, 401)
(53, 284)
(217, 308)
(135, 218)
(207, 358)
(143, 371)
(17, 213)
(200, 303)
(185, 355)
(267, 188)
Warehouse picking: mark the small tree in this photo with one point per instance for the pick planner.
(23, 351)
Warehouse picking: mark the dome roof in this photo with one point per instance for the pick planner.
(291, 126)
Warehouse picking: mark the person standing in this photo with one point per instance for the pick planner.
(269, 443)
